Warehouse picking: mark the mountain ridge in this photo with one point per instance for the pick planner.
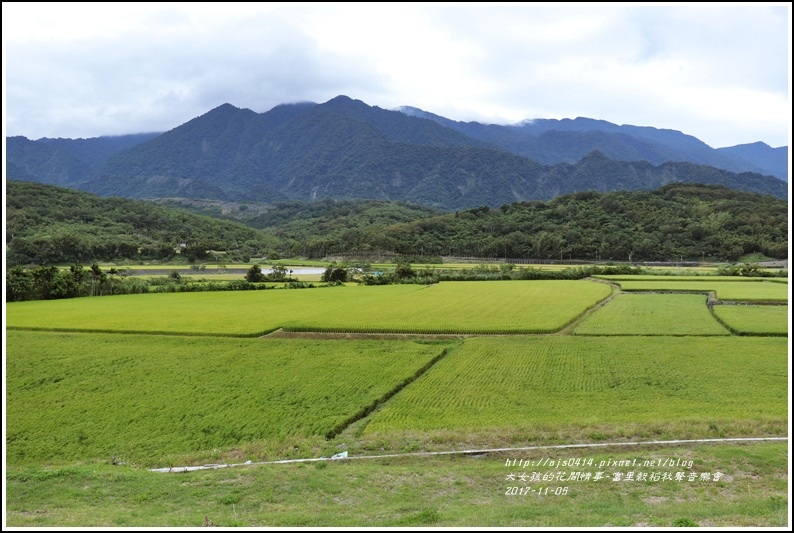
(345, 148)
(659, 145)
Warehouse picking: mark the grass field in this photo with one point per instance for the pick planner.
(754, 319)
(419, 492)
(652, 314)
(726, 290)
(548, 383)
(450, 307)
(77, 396)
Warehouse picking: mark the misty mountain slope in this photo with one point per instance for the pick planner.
(553, 141)
(44, 162)
(346, 149)
(67, 161)
(770, 160)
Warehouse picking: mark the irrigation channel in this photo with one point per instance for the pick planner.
(343, 455)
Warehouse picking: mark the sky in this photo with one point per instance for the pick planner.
(720, 72)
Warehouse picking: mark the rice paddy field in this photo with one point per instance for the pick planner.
(161, 380)
(653, 314)
(75, 396)
(552, 383)
(754, 319)
(726, 290)
(703, 277)
(451, 307)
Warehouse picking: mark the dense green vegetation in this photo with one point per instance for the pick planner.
(329, 227)
(51, 225)
(53, 283)
(691, 222)
(47, 225)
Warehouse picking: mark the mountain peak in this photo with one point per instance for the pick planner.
(345, 101)
(758, 144)
(225, 107)
(411, 111)
(342, 99)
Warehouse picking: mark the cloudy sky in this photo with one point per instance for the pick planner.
(719, 72)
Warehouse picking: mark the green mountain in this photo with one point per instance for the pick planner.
(552, 141)
(64, 161)
(345, 149)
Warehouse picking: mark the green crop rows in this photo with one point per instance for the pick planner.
(726, 290)
(74, 396)
(555, 382)
(87, 379)
(754, 319)
(450, 307)
(705, 277)
(653, 314)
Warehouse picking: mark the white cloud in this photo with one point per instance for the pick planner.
(721, 73)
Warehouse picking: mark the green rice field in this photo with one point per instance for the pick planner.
(652, 314)
(174, 379)
(754, 319)
(449, 307)
(707, 278)
(500, 384)
(726, 290)
(78, 396)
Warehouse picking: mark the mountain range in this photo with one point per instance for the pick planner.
(347, 149)
(552, 141)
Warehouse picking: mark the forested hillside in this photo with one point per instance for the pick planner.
(314, 229)
(692, 222)
(48, 225)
